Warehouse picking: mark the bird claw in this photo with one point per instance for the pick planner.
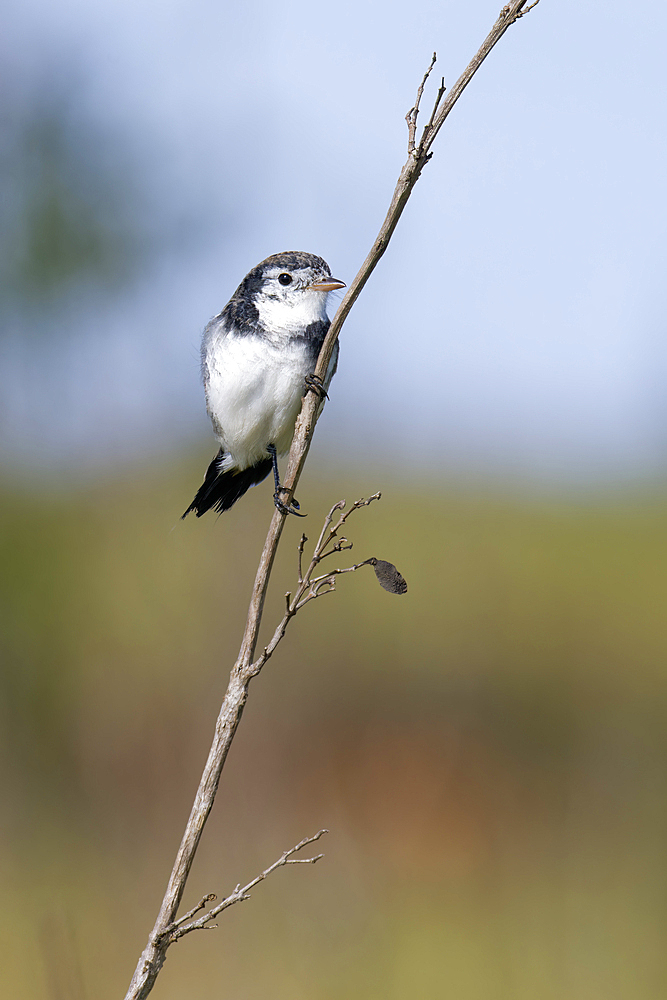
(291, 508)
(314, 384)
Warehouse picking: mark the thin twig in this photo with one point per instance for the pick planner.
(522, 13)
(153, 956)
(180, 927)
(302, 542)
(309, 588)
(411, 117)
(436, 104)
(195, 909)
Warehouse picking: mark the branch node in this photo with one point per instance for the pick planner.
(514, 14)
(522, 13)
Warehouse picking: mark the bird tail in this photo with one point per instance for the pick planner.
(221, 489)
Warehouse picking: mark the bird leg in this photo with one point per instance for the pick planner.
(293, 503)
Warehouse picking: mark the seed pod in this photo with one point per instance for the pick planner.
(388, 576)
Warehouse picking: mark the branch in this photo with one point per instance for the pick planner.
(411, 117)
(153, 956)
(310, 587)
(410, 173)
(179, 928)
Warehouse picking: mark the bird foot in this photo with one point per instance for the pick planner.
(315, 384)
(287, 508)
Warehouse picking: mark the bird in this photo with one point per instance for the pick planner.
(258, 359)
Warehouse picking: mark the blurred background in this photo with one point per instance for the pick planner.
(488, 751)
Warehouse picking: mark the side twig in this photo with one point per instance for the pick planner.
(179, 928)
(411, 117)
(153, 956)
(310, 587)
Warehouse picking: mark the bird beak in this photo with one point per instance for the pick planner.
(326, 285)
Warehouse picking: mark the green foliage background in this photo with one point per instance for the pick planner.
(488, 751)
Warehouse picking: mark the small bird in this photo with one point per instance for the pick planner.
(258, 357)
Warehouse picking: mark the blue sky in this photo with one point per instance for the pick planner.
(516, 324)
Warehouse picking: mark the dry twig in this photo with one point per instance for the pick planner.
(310, 587)
(419, 153)
(179, 928)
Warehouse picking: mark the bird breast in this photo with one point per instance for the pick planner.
(253, 394)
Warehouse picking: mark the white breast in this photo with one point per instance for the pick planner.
(253, 394)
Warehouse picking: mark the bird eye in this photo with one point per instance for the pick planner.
(285, 279)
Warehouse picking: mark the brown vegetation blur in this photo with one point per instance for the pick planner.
(487, 751)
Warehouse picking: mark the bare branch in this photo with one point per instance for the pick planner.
(409, 176)
(309, 588)
(510, 13)
(180, 928)
(153, 956)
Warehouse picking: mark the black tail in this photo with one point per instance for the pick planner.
(222, 489)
